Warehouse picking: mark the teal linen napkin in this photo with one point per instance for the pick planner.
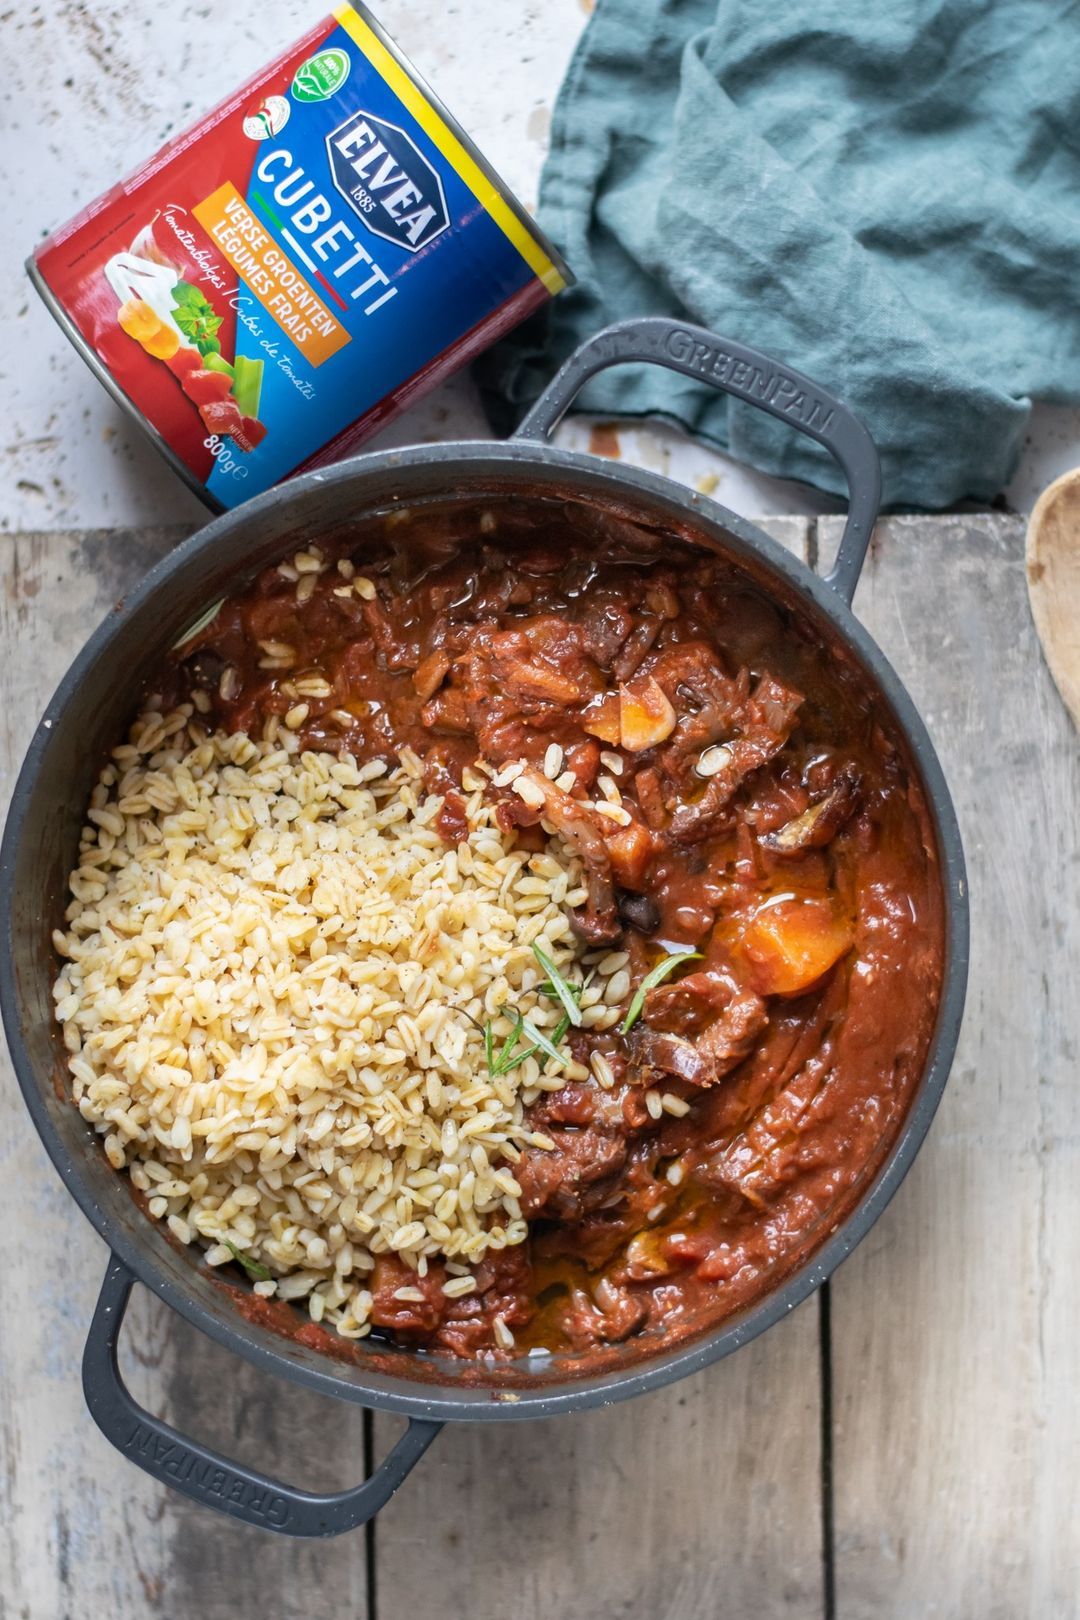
(885, 195)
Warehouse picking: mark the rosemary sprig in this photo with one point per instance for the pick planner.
(547, 1045)
(511, 1056)
(558, 987)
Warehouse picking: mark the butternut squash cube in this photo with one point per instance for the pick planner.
(789, 944)
(631, 849)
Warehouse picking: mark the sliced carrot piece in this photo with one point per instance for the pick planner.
(789, 944)
(138, 320)
(162, 344)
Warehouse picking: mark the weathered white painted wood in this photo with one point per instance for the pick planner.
(956, 1326)
(699, 1502)
(82, 1532)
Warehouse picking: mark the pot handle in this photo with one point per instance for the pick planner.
(734, 368)
(205, 1475)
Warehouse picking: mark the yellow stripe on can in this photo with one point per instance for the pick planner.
(411, 96)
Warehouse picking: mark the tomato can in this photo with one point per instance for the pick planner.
(282, 279)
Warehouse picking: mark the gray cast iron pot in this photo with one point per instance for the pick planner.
(90, 710)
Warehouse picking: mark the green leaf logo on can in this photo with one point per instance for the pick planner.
(320, 76)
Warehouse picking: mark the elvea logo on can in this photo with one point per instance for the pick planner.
(391, 185)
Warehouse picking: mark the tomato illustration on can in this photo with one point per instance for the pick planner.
(280, 281)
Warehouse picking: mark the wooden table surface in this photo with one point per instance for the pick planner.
(906, 1444)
